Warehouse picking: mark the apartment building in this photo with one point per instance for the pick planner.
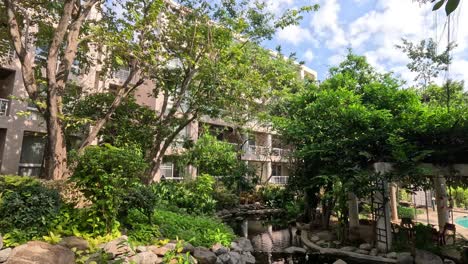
(22, 129)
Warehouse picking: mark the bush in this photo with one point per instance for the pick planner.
(408, 212)
(26, 205)
(104, 174)
(195, 197)
(198, 230)
(274, 196)
(225, 199)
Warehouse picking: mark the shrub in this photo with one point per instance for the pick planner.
(195, 197)
(225, 199)
(104, 174)
(25, 204)
(273, 196)
(198, 230)
(408, 212)
(142, 198)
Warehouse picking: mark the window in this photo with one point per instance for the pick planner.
(32, 154)
(170, 172)
(276, 170)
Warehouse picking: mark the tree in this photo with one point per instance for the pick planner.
(62, 30)
(425, 60)
(220, 159)
(190, 53)
(342, 126)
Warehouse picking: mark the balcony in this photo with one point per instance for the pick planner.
(280, 152)
(4, 106)
(8, 53)
(279, 180)
(258, 150)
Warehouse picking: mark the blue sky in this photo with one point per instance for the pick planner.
(371, 28)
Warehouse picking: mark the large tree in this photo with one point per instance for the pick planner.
(198, 55)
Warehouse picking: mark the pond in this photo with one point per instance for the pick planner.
(269, 242)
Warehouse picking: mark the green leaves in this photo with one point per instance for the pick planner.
(450, 6)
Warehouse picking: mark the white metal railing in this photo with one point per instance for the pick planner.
(280, 180)
(9, 53)
(280, 152)
(262, 150)
(122, 74)
(4, 106)
(258, 150)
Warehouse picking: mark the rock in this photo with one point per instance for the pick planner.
(140, 249)
(188, 248)
(233, 258)
(293, 250)
(392, 255)
(74, 242)
(204, 255)
(365, 246)
(4, 254)
(404, 258)
(340, 261)
(160, 251)
(224, 258)
(235, 247)
(426, 257)
(244, 244)
(37, 252)
(146, 258)
(336, 244)
(449, 261)
(1, 242)
(348, 249)
(314, 239)
(118, 247)
(248, 258)
(362, 251)
(219, 249)
(374, 252)
(170, 246)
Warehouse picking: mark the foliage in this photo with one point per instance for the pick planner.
(176, 256)
(104, 174)
(225, 198)
(273, 196)
(26, 207)
(198, 230)
(142, 198)
(131, 124)
(424, 59)
(460, 196)
(195, 197)
(220, 159)
(450, 5)
(408, 212)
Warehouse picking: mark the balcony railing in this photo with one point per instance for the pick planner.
(265, 151)
(280, 152)
(9, 52)
(280, 180)
(258, 150)
(4, 106)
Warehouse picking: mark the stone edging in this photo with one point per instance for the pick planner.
(339, 253)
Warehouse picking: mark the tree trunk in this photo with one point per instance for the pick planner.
(155, 165)
(56, 160)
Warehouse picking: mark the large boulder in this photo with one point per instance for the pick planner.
(231, 258)
(426, 257)
(339, 261)
(204, 255)
(405, 258)
(37, 252)
(118, 247)
(4, 254)
(1, 242)
(160, 251)
(188, 248)
(244, 244)
(74, 242)
(146, 258)
(326, 235)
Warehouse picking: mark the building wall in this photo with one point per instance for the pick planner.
(14, 124)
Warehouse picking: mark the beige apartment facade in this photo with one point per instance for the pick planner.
(22, 129)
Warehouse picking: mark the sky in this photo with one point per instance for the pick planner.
(371, 28)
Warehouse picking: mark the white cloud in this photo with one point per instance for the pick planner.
(309, 55)
(325, 24)
(294, 34)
